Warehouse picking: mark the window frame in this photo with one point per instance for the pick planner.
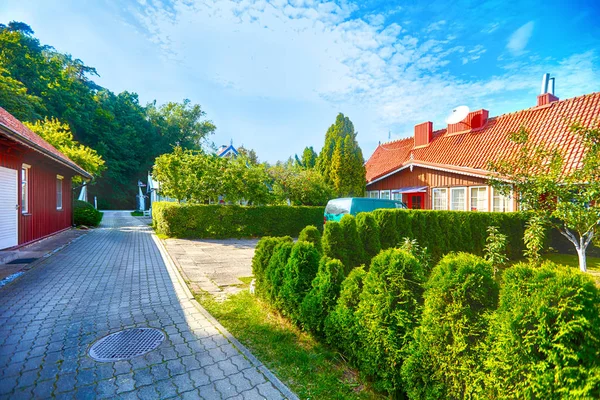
(25, 204)
(464, 189)
(510, 199)
(487, 198)
(59, 193)
(389, 194)
(373, 192)
(433, 198)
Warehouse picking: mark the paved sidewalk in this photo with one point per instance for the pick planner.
(111, 279)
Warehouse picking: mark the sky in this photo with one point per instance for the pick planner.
(272, 75)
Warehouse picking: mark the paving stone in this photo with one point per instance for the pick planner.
(148, 393)
(65, 383)
(209, 392)
(143, 377)
(43, 390)
(225, 388)
(166, 388)
(184, 383)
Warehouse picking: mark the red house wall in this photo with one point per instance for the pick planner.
(42, 218)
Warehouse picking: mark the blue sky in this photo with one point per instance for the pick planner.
(272, 75)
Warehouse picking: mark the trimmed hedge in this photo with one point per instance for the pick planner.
(231, 221)
(299, 272)
(84, 213)
(311, 234)
(260, 261)
(273, 281)
(368, 232)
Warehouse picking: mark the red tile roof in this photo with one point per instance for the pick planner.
(21, 133)
(472, 150)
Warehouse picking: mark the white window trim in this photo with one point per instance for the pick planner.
(433, 190)
(370, 192)
(487, 193)
(511, 201)
(389, 193)
(466, 197)
(25, 210)
(61, 179)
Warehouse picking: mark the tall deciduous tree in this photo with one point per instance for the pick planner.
(564, 198)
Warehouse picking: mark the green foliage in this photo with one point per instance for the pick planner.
(230, 221)
(447, 354)
(274, 275)
(544, 340)
(333, 241)
(300, 186)
(495, 248)
(368, 233)
(309, 158)
(321, 299)
(85, 214)
(353, 249)
(534, 237)
(418, 252)
(388, 313)
(298, 275)
(313, 235)
(260, 261)
(341, 326)
(341, 162)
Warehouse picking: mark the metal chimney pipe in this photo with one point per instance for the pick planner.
(545, 80)
(551, 88)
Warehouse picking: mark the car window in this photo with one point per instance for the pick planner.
(339, 206)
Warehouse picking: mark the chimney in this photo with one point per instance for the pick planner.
(547, 92)
(473, 120)
(423, 134)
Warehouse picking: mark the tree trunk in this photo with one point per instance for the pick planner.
(582, 258)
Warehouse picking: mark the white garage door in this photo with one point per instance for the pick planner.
(8, 207)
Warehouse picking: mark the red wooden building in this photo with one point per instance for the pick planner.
(446, 169)
(35, 185)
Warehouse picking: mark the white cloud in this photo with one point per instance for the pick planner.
(519, 39)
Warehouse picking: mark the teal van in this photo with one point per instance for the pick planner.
(336, 208)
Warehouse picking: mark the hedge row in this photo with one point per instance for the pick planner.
(230, 221)
(456, 334)
(84, 213)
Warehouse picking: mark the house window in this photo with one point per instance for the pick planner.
(397, 196)
(440, 198)
(25, 188)
(458, 199)
(479, 198)
(374, 194)
(385, 194)
(59, 192)
(500, 202)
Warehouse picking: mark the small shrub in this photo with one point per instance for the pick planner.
(274, 274)
(341, 327)
(534, 237)
(333, 242)
(311, 234)
(495, 248)
(368, 233)
(323, 295)
(420, 253)
(262, 256)
(447, 353)
(544, 339)
(388, 312)
(352, 245)
(299, 272)
(85, 214)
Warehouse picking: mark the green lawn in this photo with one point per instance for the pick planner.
(593, 264)
(137, 214)
(310, 369)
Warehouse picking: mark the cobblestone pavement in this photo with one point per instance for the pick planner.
(113, 278)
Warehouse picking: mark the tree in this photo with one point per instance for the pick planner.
(341, 161)
(59, 135)
(249, 154)
(309, 158)
(300, 187)
(557, 196)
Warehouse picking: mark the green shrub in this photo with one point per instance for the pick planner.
(341, 326)
(334, 243)
(299, 272)
(388, 227)
(388, 313)
(262, 256)
(85, 214)
(353, 248)
(448, 350)
(273, 281)
(545, 335)
(368, 233)
(231, 221)
(420, 253)
(311, 234)
(323, 295)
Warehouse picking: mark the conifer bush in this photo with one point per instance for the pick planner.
(262, 256)
(273, 281)
(544, 339)
(353, 248)
(341, 326)
(447, 353)
(388, 229)
(368, 233)
(311, 234)
(388, 313)
(323, 295)
(333, 242)
(298, 274)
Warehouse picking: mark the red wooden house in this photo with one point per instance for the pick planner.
(447, 169)
(35, 185)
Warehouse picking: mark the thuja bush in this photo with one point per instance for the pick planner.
(544, 339)
(311, 234)
(341, 326)
(388, 313)
(388, 230)
(448, 348)
(353, 248)
(273, 281)
(262, 256)
(333, 242)
(299, 272)
(368, 233)
(321, 298)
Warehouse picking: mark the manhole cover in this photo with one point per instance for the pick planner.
(126, 344)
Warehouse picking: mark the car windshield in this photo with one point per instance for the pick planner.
(339, 206)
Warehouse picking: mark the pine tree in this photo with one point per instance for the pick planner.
(309, 158)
